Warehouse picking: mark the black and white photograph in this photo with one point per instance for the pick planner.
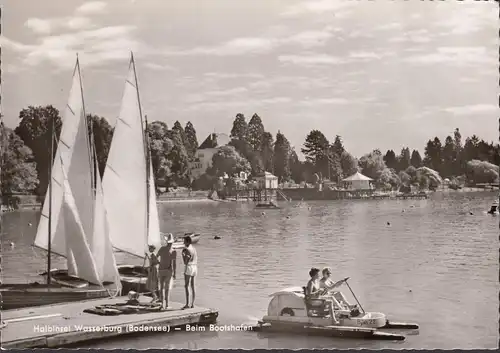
(268, 174)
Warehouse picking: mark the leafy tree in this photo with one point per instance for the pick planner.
(35, 131)
(416, 159)
(348, 163)
(255, 132)
(482, 172)
(372, 164)
(412, 173)
(315, 149)
(178, 157)
(103, 135)
(160, 146)
(405, 178)
(18, 171)
(240, 128)
(390, 159)
(404, 160)
(191, 141)
(282, 156)
(388, 179)
(228, 160)
(433, 177)
(267, 151)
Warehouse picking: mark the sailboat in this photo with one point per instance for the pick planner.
(129, 186)
(74, 222)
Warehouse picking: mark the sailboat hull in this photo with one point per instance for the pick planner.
(15, 296)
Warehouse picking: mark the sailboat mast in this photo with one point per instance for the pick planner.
(49, 242)
(146, 147)
(88, 125)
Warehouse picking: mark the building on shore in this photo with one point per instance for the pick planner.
(266, 180)
(204, 154)
(358, 181)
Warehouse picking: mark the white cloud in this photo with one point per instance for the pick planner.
(469, 17)
(237, 46)
(310, 59)
(317, 7)
(417, 36)
(158, 67)
(78, 23)
(232, 105)
(311, 38)
(455, 56)
(324, 101)
(472, 109)
(91, 7)
(367, 55)
(96, 47)
(39, 25)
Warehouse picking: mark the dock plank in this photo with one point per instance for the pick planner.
(73, 325)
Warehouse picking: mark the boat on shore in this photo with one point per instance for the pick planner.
(290, 312)
(267, 205)
(73, 220)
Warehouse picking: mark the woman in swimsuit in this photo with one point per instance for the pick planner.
(313, 288)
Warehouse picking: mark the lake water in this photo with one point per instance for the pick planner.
(434, 264)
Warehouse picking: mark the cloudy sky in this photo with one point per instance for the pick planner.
(383, 74)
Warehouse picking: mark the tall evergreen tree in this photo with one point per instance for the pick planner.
(267, 151)
(416, 159)
(191, 142)
(240, 128)
(404, 160)
(255, 132)
(391, 160)
(282, 154)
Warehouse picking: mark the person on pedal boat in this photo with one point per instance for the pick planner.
(314, 291)
(326, 282)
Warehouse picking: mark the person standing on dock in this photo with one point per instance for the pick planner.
(167, 269)
(152, 282)
(190, 259)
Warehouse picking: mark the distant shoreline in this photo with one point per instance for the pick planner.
(176, 199)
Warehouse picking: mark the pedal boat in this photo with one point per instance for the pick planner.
(290, 312)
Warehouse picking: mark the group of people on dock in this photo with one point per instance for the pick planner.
(162, 270)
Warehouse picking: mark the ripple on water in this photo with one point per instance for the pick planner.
(435, 265)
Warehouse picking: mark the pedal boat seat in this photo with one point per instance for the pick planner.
(316, 306)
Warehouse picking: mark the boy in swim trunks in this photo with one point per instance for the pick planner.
(190, 259)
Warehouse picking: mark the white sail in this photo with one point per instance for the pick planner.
(124, 181)
(73, 154)
(154, 236)
(100, 242)
(79, 256)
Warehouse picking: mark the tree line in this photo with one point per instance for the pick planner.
(252, 149)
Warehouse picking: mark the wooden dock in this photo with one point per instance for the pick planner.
(58, 325)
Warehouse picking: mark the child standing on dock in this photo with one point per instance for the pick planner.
(190, 259)
(166, 271)
(152, 282)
